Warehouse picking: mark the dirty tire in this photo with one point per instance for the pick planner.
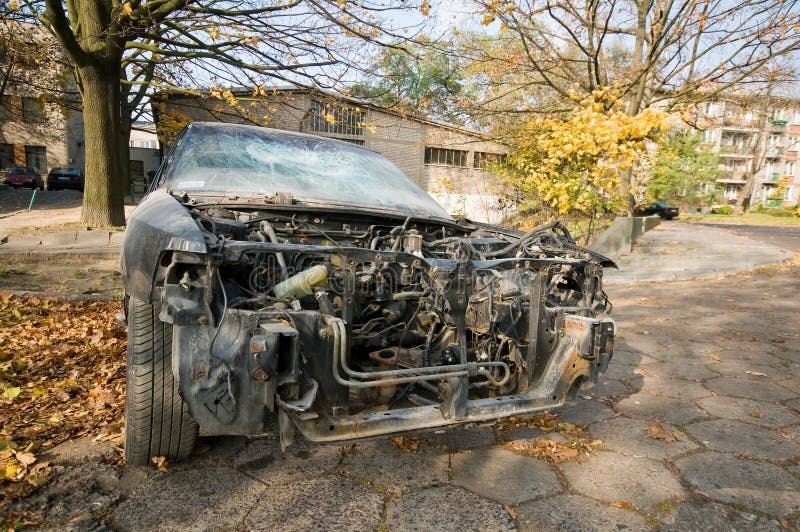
(157, 422)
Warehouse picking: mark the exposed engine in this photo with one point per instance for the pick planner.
(348, 315)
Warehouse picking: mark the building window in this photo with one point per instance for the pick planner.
(5, 108)
(136, 170)
(790, 168)
(36, 156)
(446, 157)
(32, 111)
(6, 155)
(708, 136)
(482, 159)
(731, 192)
(796, 116)
(337, 119)
(787, 194)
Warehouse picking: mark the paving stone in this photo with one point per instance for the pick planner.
(263, 460)
(210, 498)
(751, 389)
(676, 369)
(651, 408)
(383, 464)
(571, 512)
(691, 517)
(613, 477)
(792, 432)
(737, 437)
(503, 476)
(629, 358)
(758, 485)
(629, 436)
(794, 404)
(748, 410)
(739, 368)
(331, 502)
(527, 433)
(607, 388)
(446, 508)
(676, 388)
(460, 438)
(583, 412)
(792, 385)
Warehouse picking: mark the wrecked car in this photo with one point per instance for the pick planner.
(276, 279)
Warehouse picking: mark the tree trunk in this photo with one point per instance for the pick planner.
(102, 199)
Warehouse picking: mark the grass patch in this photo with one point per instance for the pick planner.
(753, 218)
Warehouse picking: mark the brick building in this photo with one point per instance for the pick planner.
(759, 139)
(447, 161)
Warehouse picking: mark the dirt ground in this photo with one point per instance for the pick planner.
(99, 277)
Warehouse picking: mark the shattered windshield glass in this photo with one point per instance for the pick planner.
(228, 158)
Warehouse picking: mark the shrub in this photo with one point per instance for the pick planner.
(725, 209)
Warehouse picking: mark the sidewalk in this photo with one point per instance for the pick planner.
(680, 251)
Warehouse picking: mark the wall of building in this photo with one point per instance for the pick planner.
(18, 131)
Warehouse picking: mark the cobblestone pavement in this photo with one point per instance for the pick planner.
(717, 363)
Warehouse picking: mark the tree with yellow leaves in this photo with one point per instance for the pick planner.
(573, 163)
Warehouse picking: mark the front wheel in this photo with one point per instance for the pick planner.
(157, 422)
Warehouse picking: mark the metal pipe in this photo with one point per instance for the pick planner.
(267, 228)
(400, 376)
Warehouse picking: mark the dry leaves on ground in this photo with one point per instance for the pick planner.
(657, 431)
(62, 375)
(577, 444)
(408, 444)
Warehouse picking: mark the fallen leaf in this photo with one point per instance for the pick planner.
(756, 373)
(621, 504)
(512, 512)
(11, 393)
(714, 358)
(25, 458)
(656, 431)
(161, 463)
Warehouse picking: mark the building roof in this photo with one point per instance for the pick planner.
(311, 91)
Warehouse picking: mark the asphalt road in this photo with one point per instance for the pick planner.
(783, 237)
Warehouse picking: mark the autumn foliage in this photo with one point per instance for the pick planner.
(62, 375)
(574, 162)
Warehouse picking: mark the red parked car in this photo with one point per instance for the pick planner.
(60, 178)
(22, 176)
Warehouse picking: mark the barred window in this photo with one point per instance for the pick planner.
(337, 119)
(6, 155)
(36, 156)
(446, 157)
(482, 159)
(32, 111)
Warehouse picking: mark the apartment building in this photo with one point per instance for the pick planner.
(447, 161)
(759, 139)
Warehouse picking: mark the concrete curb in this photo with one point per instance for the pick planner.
(617, 239)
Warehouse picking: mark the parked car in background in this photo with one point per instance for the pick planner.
(661, 209)
(280, 278)
(21, 176)
(60, 178)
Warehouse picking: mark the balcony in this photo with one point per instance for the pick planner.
(771, 177)
(733, 177)
(774, 152)
(738, 122)
(735, 150)
(779, 124)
